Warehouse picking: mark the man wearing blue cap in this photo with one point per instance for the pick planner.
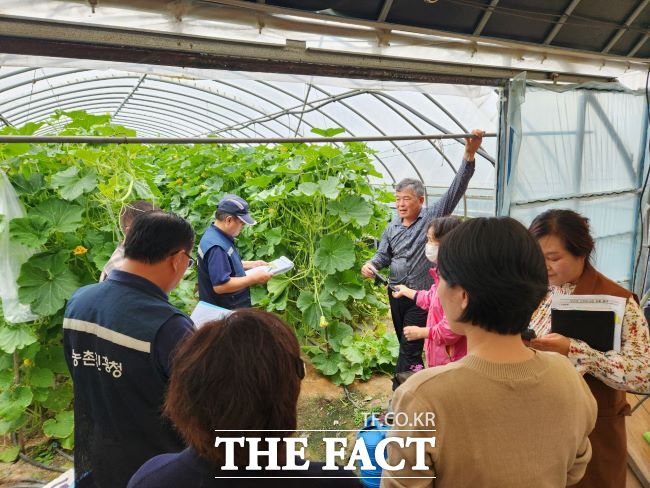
(222, 274)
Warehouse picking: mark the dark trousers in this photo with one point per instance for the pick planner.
(405, 312)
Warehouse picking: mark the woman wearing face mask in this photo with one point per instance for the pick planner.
(567, 245)
(441, 345)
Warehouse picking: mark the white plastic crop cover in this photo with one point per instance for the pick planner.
(12, 256)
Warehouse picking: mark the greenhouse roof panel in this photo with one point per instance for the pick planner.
(562, 40)
(245, 105)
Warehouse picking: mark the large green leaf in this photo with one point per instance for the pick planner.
(143, 190)
(14, 401)
(328, 364)
(393, 345)
(30, 351)
(278, 284)
(278, 292)
(68, 442)
(72, 184)
(42, 378)
(51, 357)
(273, 238)
(329, 152)
(101, 254)
(63, 216)
(352, 208)
(328, 132)
(15, 149)
(40, 394)
(259, 296)
(336, 332)
(9, 455)
(6, 379)
(307, 188)
(344, 376)
(59, 427)
(345, 285)
(335, 253)
(341, 311)
(261, 181)
(32, 231)
(352, 354)
(329, 187)
(15, 337)
(84, 120)
(14, 424)
(327, 300)
(28, 186)
(28, 129)
(293, 166)
(46, 282)
(6, 359)
(307, 304)
(59, 398)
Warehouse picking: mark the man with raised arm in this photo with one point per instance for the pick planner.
(402, 248)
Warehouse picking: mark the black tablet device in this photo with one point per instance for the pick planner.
(595, 327)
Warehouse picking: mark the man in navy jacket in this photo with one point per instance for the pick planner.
(119, 336)
(222, 273)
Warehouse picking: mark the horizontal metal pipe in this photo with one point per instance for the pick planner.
(225, 140)
(584, 196)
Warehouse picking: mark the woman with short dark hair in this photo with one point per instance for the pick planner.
(567, 244)
(505, 415)
(236, 377)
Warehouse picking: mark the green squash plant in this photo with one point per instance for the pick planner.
(313, 203)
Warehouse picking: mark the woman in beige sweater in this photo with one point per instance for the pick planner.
(505, 415)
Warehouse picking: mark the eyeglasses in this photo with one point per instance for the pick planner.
(300, 368)
(190, 259)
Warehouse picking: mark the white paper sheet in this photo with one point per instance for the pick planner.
(276, 267)
(206, 312)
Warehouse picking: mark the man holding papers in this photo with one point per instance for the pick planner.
(223, 280)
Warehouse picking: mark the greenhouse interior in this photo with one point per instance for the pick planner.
(311, 118)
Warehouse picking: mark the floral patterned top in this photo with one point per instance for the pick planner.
(627, 370)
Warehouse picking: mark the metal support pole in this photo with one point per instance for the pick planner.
(580, 143)
(226, 140)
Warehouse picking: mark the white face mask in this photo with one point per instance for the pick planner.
(431, 252)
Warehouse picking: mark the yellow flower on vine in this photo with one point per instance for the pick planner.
(79, 251)
(27, 362)
(323, 321)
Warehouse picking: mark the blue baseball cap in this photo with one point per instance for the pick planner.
(237, 206)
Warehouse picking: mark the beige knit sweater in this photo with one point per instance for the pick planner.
(498, 425)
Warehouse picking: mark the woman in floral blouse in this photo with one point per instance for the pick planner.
(567, 246)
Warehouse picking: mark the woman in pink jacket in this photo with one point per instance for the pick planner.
(441, 345)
